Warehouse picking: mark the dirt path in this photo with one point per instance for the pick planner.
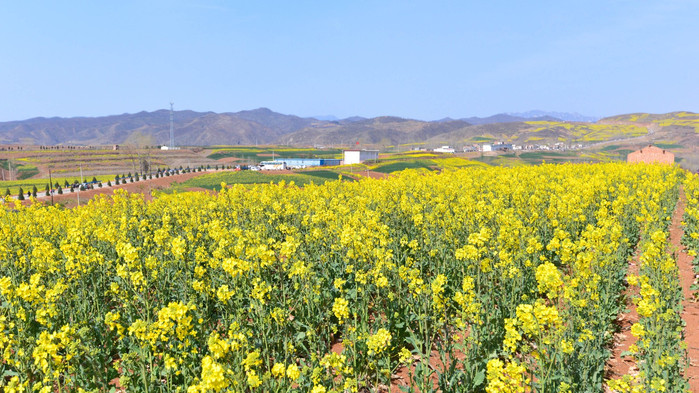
(690, 313)
(144, 187)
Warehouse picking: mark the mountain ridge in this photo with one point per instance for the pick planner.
(264, 126)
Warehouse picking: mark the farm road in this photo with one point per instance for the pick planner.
(143, 187)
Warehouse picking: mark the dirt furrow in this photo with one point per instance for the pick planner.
(690, 313)
(618, 365)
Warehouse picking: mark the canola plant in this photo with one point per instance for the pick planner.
(471, 280)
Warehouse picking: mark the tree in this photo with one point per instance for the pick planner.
(7, 192)
(34, 191)
(20, 195)
(94, 179)
(48, 190)
(60, 190)
(56, 185)
(66, 184)
(109, 183)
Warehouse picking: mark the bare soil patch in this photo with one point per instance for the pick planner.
(145, 187)
(373, 175)
(227, 160)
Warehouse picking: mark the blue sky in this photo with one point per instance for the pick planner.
(417, 59)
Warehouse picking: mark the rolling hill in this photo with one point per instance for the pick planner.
(153, 128)
(264, 126)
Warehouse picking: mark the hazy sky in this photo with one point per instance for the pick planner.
(418, 59)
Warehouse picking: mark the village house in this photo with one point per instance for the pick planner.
(651, 154)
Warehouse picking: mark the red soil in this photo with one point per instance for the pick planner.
(690, 313)
(141, 187)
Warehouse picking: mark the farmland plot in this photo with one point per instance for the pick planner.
(473, 280)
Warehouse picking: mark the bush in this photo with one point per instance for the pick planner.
(109, 183)
(60, 190)
(20, 195)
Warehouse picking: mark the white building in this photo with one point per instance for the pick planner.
(487, 147)
(273, 165)
(444, 149)
(358, 156)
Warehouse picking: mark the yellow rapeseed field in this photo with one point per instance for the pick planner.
(511, 277)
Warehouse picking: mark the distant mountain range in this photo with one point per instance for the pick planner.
(565, 116)
(264, 126)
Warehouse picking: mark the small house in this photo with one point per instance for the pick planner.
(651, 154)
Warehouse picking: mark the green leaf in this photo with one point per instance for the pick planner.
(479, 378)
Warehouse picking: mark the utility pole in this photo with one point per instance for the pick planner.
(81, 183)
(172, 127)
(51, 186)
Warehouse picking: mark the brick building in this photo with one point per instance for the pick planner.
(651, 154)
